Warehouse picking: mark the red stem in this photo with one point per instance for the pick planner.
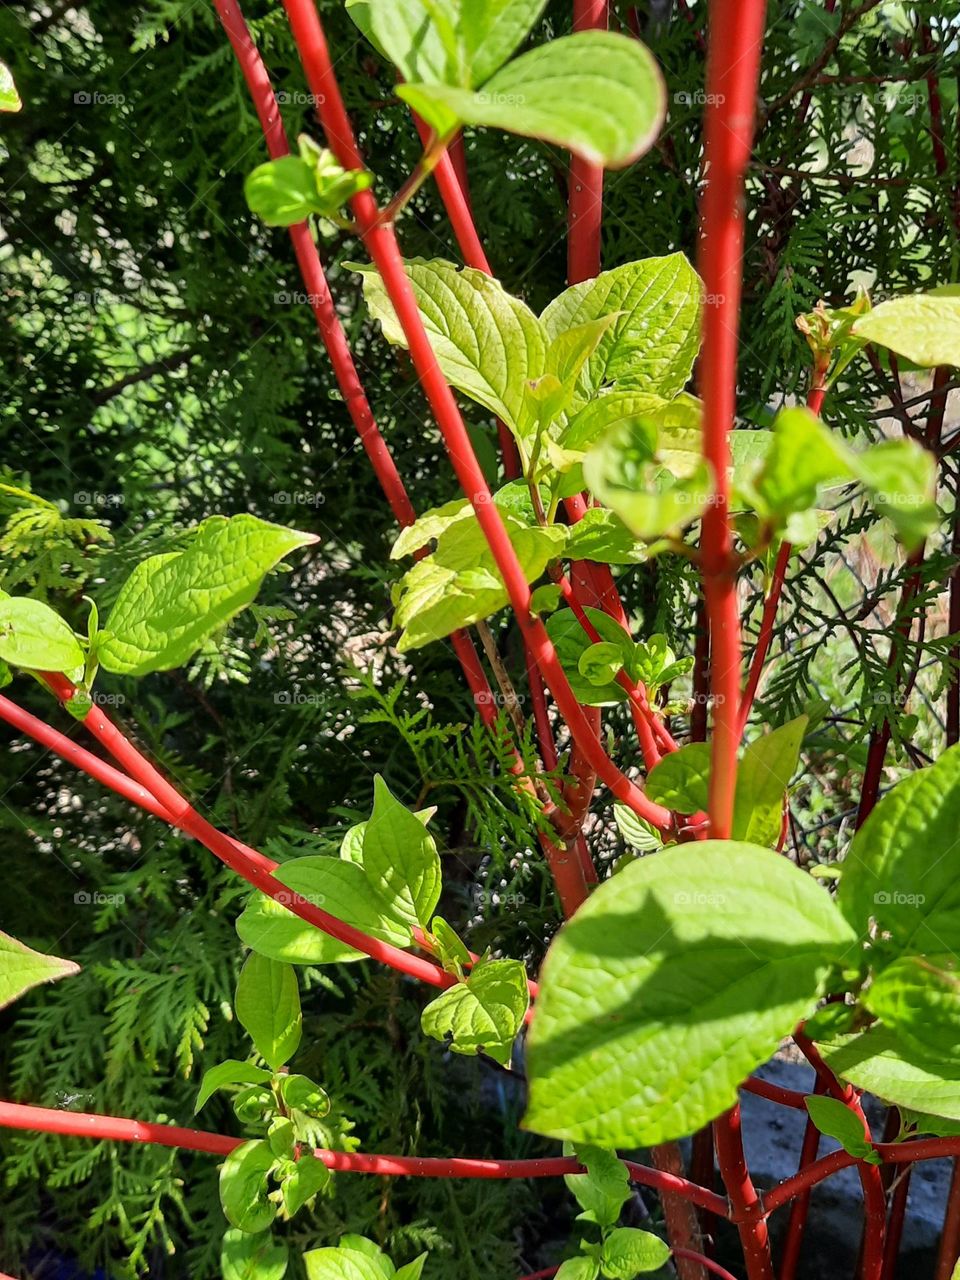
(83, 1125)
(585, 199)
(792, 1098)
(381, 244)
(950, 1239)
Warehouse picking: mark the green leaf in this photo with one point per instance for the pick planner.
(653, 343)
(487, 343)
(636, 831)
(900, 477)
(602, 536)
(601, 663)
(513, 499)
(171, 603)
(413, 1270)
(287, 190)
(452, 952)
(484, 1013)
(876, 1060)
(597, 93)
(603, 1190)
(763, 776)
(22, 968)
(402, 30)
(400, 858)
(628, 1251)
(605, 410)
(571, 642)
(268, 1008)
(918, 997)
(229, 1072)
(681, 779)
(33, 636)
(491, 31)
(924, 327)
(308, 1177)
(9, 98)
(549, 396)
(246, 1256)
(705, 955)
(897, 870)
(460, 582)
(300, 1093)
(579, 1268)
(624, 472)
(244, 1188)
(837, 1121)
(345, 1264)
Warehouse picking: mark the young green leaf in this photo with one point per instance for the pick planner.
(252, 1256)
(636, 831)
(487, 343)
(308, 1177)
(268, 1008)
(347, 1264)
(837, 1121)
(597, 93)
(339, 887)
(32, 635)
(22, 968)
(171, 603)
(484, 1013)
(603, 1190)
(628, 1251)
(763, 776)
(681, 779)
(924, 327)
(287, 190)
(605, 410)
(600, 663)
(400, 858)
(229, 1072)
(579, 1268)
(460, 582)
(300, 1093)
(571, 642)
(244, 1189)
(452, 953)
(918, 998)
(705, 955)
(651, 347)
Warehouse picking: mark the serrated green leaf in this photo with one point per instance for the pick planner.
(460, 582)
(681, 779)
(603, 1190)
(400, 858)
(763, 775)
(597, 93)
(897, 871)
(571, 642)
(653, 343)
(308, 1177)
(918, 998)
(924, 327)
(252, 1256)
(22, 968)
(229, 1072)
(338, 886)
(628, 1251)
(484, 1013)
(705, 955)
(32, 635)
(268, 1007)
(837, 1121)
(244, 1188)
(171, 603)
(487, 342)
